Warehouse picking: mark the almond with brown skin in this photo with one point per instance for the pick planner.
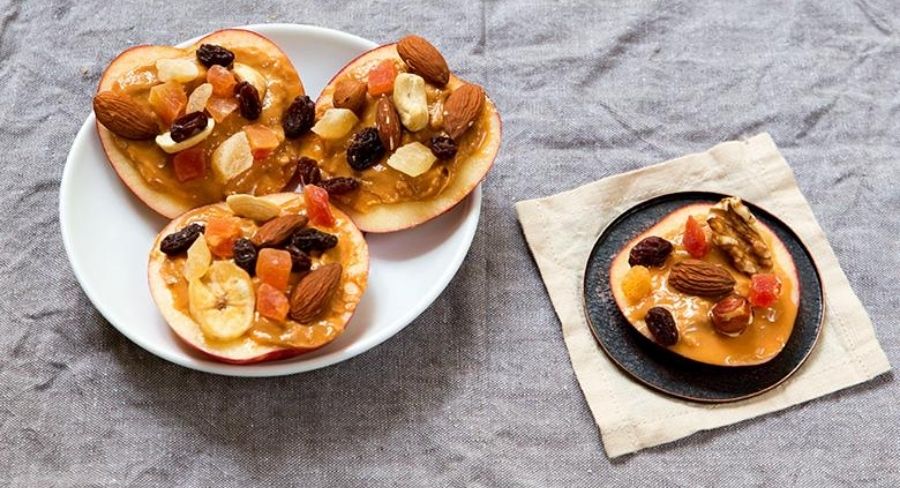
(424, 59)
(312, 294)
(276, 231)
(700, 278)
(349, 94)
(124, 117)
(387, 121)
(462, 109)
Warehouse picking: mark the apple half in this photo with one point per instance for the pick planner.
(169, 290)
(761, 341)
(160, 199)
(389, 217)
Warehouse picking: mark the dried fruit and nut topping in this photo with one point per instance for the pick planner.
(336, 123)
(124, 117)
(245, 255)
(765, 288)
(273, 266)
(387, 121)
(306, 172)
(277, 231)
(313, 240)
(736, 231)
(314, 291)
(301, 262)
(365, 149)
(443, 147)
(424, 59)
(411, 101)
(339, 185)
(299, 117)
(252, 207)
(188, 126)
(637, 283)
(731, 315)
(701, 278)
(221, 233)
(272, 303)
(210, 55)
(662, 326)
(694, 239)
(651, 251)
(381, 78)
(462, 108)
(180, 241)
(350, 94)
(248, 98)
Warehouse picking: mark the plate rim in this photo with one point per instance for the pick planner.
(658, 388)
(297, 364)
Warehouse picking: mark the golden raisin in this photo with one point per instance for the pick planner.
(636, 283)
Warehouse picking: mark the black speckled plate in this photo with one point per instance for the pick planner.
(667, 372)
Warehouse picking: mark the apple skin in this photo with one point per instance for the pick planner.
(399, 216)
(160, 201)
(676, 219)
(243, 350)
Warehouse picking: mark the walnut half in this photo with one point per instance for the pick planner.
(735, 231)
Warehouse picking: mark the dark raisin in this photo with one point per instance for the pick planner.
(299, 117)
(443, 147)
(300, 260)
(651, 251)
(310, 240)
(365, 149)
(305, 172)
(211, 54)
(179, 242)
(662, 326)
(245, 255)
(339, 185)
(248, 98)
(188, 125)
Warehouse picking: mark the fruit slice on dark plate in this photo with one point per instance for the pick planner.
(660, 369)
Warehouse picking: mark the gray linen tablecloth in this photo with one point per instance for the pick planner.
(478, 391)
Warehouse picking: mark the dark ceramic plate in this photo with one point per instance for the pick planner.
(667, 372)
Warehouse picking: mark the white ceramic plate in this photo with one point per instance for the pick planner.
(107, 234)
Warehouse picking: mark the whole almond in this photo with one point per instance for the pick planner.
(314, 291)
(276, 231)
(424, 59)
(462, 108)
(124, 117)
(349, 94)
(387, 121)
(252, 207)
(700, 278)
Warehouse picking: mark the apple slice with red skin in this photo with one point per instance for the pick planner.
(469, 172)
(158, 199)
(675, 223)
(244, 350)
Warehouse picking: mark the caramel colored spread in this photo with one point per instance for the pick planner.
(268, 175)
(328, 325)
(382, 184)
(760, 341)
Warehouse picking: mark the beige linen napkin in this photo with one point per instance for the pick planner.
(561, 230)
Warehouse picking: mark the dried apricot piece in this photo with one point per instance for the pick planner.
(189, 164)
(168, 100)
(222, 81)
(381, 78)
(221, 232)
(273, 266)
(695, 239)
(764, 289)
(272, 303)
(263, 140)
(317, 207)
(636, 283)
(220, 108)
